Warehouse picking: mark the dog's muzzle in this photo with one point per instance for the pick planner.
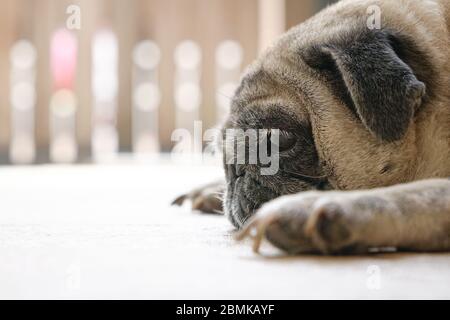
(244, 195)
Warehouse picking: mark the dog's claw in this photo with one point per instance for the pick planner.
(205, 199)
(255, 230)
(179, 201)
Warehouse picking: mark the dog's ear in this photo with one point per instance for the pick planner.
(381, 87)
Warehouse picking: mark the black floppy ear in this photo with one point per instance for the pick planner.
(383, 89)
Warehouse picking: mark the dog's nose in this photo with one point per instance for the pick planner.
(235, 171)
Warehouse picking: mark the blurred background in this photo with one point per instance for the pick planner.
(85, 81)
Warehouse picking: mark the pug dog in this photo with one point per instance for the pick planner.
(364, 146)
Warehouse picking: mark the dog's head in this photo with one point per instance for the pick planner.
(343, 98)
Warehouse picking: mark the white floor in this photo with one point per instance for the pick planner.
(108, 232)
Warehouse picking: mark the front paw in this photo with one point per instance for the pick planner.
(331, 228)
(206, 199)
(314, 222)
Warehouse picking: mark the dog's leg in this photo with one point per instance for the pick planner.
(207, 199)
(413, 216)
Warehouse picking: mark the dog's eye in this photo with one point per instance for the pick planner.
(286, 140)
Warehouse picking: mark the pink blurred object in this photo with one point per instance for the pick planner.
(63, 59)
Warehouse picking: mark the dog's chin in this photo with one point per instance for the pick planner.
(235, 209)
(238, 211)
(243, 197)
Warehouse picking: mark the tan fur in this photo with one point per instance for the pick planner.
(389, 206)
(407, 216)
(355, 157)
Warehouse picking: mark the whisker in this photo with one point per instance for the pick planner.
(225, 95)
(307, 177)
